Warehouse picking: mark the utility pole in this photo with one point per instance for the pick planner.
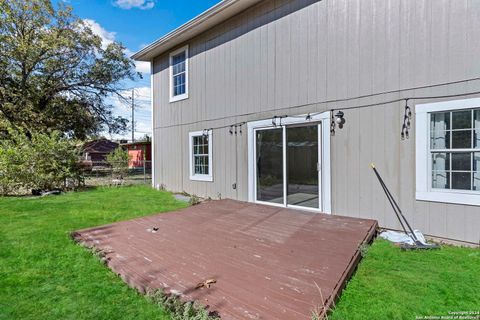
(133, 115)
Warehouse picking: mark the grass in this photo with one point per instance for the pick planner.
(44, 275)
(393, 284)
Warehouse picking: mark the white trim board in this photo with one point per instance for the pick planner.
(424, 191)
(201, 177)
(170, 74)
(325, 185)
(152, 123)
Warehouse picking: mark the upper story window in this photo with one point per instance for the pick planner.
(448, 151)
(179, 74)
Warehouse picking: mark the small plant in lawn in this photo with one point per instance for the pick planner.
(194, 200)
(180, 310)
(364, 249)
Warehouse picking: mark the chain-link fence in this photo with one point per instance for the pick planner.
(101, 173)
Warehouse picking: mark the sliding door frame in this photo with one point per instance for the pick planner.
(323, 122)
(318, 125)
(284, 204)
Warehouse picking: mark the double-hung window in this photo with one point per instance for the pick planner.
(448, 151)
(201, 156)
(179, 74)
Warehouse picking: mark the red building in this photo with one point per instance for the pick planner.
(139, 153)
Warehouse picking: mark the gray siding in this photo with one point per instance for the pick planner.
(284, 57)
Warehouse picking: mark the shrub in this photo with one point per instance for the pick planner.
(42, 161)
(118, 160)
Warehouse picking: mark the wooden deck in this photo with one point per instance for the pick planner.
(269, 262)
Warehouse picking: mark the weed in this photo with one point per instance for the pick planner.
(179, 309)
(319, 312)
(194, 200)
(364, 249)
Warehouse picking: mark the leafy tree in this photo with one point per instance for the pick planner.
(40, 161)
(54, 72)
(118, 160)
(146, 138)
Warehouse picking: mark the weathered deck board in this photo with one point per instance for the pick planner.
(267, 261)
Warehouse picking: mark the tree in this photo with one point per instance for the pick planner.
(146, 138)
(55, 74)
(118, 160)
(42, 161)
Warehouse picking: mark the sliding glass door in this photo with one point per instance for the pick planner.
(269, 155)
(287, 165)
(302, 166)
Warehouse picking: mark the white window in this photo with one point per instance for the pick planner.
(201, 156)
(179, 74)
(448, 151)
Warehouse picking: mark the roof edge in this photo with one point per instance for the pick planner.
(204, 21)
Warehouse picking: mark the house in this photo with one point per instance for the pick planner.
(140, 154)
(287, 102)
(97, 150)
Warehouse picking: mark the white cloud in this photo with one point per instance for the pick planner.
(142, 114)
(140, 4)
(142, 127)
(140, 66)
(143, 93)
(107, 37)
(142, 99)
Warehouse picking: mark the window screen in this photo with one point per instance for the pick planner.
(201, 155)
(179, 74)
(455, 149)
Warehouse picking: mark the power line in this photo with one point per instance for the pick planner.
(147, 99)
(354, 98)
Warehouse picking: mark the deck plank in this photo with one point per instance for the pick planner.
(267, 261)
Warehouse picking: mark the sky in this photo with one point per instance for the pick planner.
(136, 23)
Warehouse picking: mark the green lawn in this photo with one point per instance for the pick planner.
(44, 275)
(393, 284)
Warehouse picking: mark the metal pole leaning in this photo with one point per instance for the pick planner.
(395, 206)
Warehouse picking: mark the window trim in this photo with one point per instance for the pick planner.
(201, 177)
(170, 74)
(424, 190)
(324, 147)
